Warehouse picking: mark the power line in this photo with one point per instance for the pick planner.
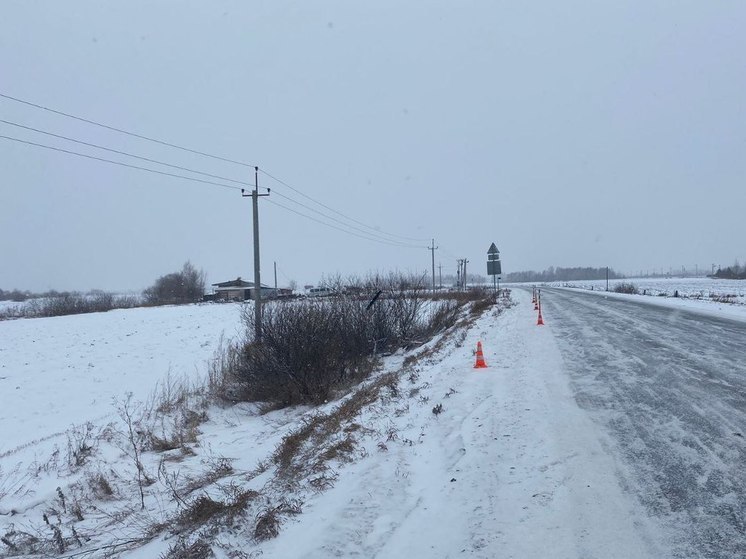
(382, 241)
(363, 231)
(337, 212)
(182, 148)
(78, 154)
(121, 131)
(365, 235)
(97, 146)
(448, 253)
(190, 150)
(175, 175)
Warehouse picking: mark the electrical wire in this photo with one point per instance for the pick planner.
(447, 253)
(363, 231)
(174, 175)
(121, 131)
(382, 241)
(197, 152)
(97, 146)
(280, 181)
(111, 161)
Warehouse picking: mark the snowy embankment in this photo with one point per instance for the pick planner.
(440, 460)
(58, 374)
(510, 467)
(703, 295)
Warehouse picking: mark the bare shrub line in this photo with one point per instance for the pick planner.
(626, 287)
(312, 349)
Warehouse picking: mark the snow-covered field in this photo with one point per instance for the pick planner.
(694, 288)
(55, 372)
(703, 295)
(510, 466)
(58, 374)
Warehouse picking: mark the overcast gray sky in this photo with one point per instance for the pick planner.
(568, 133)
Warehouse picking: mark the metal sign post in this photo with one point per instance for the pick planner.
(494, 268)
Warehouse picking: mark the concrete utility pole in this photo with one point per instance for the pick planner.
(464, 276)
(257, 279)
(432, 248)
(275, 278)
(440, 275)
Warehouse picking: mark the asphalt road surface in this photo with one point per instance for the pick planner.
(668, 388)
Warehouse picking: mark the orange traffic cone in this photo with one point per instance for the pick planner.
(541, 320)
(480, 364)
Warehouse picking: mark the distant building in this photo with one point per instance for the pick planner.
(240, 290)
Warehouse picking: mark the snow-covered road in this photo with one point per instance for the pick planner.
(668, 388)
(512, 467)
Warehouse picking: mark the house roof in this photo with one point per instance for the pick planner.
(237, 283)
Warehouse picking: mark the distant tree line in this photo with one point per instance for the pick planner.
(15, 295)
(18, 296)
(563, 274)
(183, 287)
(732, 272)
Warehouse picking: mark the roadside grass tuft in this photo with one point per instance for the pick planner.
(626, 287)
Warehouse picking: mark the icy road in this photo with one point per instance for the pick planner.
(668, 388)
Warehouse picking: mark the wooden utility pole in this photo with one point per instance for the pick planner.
(432, 248)
(257, 273)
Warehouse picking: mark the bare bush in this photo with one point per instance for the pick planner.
(186, 286)
(268, 520)
(170, 418)
(307, 349)
(81, 441)
(205, 510)
(199, 549)
(100, 486)
(312, 349)
(128, 411)
(626, 287)
(200, 510)
(63, 304)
